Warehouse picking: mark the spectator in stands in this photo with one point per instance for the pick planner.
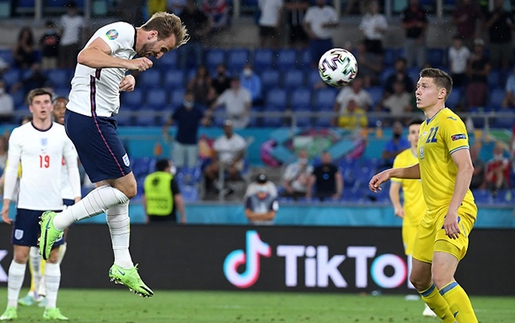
(399, 104)
(509, 99)
(370, 65)
(199, 84)
(395, 145)
(318, 24)
(477, 71)
(296, 10)
(458, 59)
(270, 22)
(465, 17)
(34, 79)
(228, 153)
(261, 182)
(252, 82)
(24, 54)
(261, 206)
(217, 12)
(4, 66)
(49, 44)
(399, 74)
(237, 102)
(478, 177)
(353, 117)
(326, 181)
(3, 153)
(500, 24)
(373, 26)
(176, 6)
(221, 81)
(188, 118)
(162, 196)
(297, 177)
(498, 170)
(414, 22)
(199, 26)
(353, 92)
(72, 26)
(6, 104)
(154, 6)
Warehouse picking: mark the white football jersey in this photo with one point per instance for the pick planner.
(66, 187)
(41, 154)
(99, 89)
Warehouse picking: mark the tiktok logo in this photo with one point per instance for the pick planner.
(254, 249)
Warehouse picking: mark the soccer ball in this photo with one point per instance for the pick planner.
(338, 67)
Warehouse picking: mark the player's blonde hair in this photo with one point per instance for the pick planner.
(167, 24)
(441, 78)
(37, 92)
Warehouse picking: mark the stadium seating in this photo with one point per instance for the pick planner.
(276, 97)
(59, 77)
(263, 59)
(174, 78)
(177, 97)
(237, 58)
(168, 61)
(133, 100)
(325, 99)
(11, 76)
(150, 79)
(293, 78)
(214, 56)
(157, 98)
(270, 78)
(286, 59)
(300, 97)
(454, 98)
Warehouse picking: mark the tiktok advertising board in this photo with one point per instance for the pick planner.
(273, 258)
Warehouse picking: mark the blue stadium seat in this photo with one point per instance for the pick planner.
(146, 117)
(325, 98)
(150, 79)
(124, 118)
(237, 58)
(303, 120)
(189, 193)
(263, 58)
(11, 76)
(18, 98)
(133, 100)
(174, 78)
(436, 57)
(168, 61)
(213, 57)
(454, 98)
(494, 78)
(26, 3)
(273, 120)
(157, 98)
(506, 121)
(389, 56)
(293, 78)
(7, 56)
(413, 73)
(304, 58)
(177, 97)
(495, 98)
(286, 59)
(300, 97)
(142, 166)
(385, 73)
(313, 78)
(376, 93)
(59, 77)
(276, 97)
(270, 78)
(62, 91)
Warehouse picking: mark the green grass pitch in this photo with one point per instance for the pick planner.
(120, 306)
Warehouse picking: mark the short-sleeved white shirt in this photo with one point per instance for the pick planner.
(235, 102)
(370, 22)
(228, 148)
(459, 59)
(71, 26)
(41, 154)
(270, 10)
(99, 89)
(362, 98)
(316, 17)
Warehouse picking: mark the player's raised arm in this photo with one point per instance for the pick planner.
(412, 172)
(98, 55)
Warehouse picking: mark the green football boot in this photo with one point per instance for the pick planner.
(10, 314)
(131, 279)
(54, 314)
(49, 234)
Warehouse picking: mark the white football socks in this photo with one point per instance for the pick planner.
(35, 265)
(52, 282)
(14, 282)
(119, 226)
(96, 202)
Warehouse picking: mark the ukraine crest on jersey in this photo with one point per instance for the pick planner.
(112, 34)
(441, 136)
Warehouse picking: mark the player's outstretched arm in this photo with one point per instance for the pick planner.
(412, 172)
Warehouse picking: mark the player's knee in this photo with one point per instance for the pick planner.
(420, 282)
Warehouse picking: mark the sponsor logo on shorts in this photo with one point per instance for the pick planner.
(18, 234)
(112, 34)
(126, 160)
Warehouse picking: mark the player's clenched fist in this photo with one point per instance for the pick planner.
(141, 64)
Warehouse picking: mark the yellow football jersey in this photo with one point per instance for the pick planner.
(441, 136)
(414, 204)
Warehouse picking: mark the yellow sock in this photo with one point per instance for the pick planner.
(459, 302)
(437, 303)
